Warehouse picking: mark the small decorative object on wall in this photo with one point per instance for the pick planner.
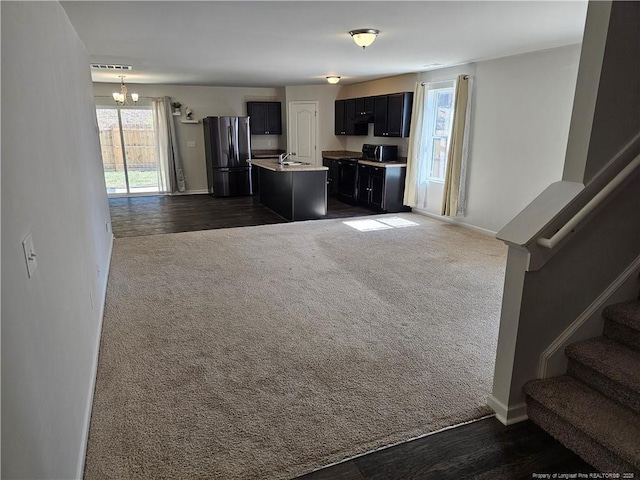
(189, 113)
(176, 108)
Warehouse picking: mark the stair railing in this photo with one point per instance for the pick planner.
(549, 220)
(568, 227)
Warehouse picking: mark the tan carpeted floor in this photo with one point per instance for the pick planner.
(267, 352)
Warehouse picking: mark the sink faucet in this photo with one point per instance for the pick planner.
(283, 157)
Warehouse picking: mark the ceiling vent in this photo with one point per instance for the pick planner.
(104, 66)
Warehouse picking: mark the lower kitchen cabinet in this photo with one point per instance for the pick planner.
(382, 188)
(294, 195)
(347, 179)
(332, 175)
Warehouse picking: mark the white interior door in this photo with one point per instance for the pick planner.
(303, 131)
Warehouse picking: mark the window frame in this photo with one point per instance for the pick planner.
(430, 117)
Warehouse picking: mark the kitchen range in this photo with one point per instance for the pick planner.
(374, 178)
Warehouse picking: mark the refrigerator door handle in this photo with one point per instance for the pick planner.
(231, 146)
(236, 151)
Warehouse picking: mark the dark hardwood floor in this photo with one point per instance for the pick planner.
(151, 215)
(485, 449)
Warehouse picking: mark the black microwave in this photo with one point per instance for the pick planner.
(380, 153)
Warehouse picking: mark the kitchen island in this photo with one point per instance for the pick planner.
(295, 192)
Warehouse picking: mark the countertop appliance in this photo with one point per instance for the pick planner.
(380, 153)
(227, 146)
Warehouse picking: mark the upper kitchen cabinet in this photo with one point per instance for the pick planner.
(346, 120)
(392, 115)
(364, 108)
(265, 118)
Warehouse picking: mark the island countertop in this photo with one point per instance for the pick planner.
(274, 166)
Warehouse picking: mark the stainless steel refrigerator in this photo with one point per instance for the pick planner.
(227, 146)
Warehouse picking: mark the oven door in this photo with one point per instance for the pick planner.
(347, 179)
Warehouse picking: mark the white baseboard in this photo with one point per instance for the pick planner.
(590, 322)
(191, 192)
(92, 385)
(453, 221)
(508, 415)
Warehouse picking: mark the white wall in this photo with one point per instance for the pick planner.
(53, 187)
(204, 101)
(520, 125)
(615, 63)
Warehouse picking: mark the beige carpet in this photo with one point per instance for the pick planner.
(267, 352)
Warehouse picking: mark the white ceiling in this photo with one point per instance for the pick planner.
(238, 43)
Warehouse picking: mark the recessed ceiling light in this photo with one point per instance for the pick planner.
(333, 80)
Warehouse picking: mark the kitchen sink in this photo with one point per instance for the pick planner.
(292, 163)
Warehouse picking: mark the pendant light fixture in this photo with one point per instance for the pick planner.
(121, 96)
(333, 80)
(364, 36)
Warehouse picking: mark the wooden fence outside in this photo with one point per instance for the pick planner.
(140, 144)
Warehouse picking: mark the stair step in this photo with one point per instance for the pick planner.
(608, 367)
(577, 441)
(598, 420)
(622, 323)
(625, 313)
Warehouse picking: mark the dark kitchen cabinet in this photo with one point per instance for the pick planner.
(340, 127)
(347, 177)
(332, 175)
(265, 118)
(346, 121)
(382, 188)
(255, 180)
(392, 115)
(364, 109)
(294, 195)
(371, 186)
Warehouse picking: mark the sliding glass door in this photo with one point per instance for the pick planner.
(127, 140)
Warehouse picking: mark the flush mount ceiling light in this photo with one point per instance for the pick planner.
(121, 96)
(364, 36)
(333, 80)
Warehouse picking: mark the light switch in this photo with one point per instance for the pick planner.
(191, 144)
(29, 254)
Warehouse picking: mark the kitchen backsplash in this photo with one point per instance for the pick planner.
(354, 143)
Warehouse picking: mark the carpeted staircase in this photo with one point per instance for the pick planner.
(595, 408)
